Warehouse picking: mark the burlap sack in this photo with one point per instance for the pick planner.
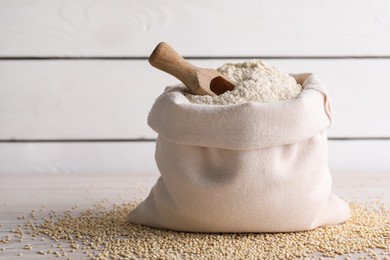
(253, 167)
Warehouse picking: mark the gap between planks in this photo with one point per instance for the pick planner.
(312, 57)
(109, 140)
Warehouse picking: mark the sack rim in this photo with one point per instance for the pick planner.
(178, 120)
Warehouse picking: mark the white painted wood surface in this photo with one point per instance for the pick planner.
(111, 99)
(22, 193)
(102, 159)
(197, 28)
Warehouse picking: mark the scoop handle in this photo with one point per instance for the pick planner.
(165, 58)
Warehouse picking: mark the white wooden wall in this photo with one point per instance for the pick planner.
(76, 87)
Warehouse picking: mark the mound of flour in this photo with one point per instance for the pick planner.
(255, 81)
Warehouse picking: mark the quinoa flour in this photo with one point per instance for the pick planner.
(256, 81)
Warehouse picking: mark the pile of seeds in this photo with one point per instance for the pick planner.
(102, 232)
(255, 81)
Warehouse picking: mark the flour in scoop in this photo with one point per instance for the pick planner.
(255, 81)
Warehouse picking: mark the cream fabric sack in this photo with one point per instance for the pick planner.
(253, 167)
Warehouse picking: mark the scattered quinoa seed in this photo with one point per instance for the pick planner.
(27, 247)
(101, 232)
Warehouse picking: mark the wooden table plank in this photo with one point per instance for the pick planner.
(96, 99)
(197, 28)
(105, 158)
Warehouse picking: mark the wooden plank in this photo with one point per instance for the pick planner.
(357, 156)
(99, 159)
(196, 28)
(111, 99)
(74, 158)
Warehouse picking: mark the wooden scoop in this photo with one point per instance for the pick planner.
(199, 81)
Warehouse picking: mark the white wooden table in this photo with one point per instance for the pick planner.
(22, 193)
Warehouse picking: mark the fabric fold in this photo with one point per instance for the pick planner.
(243, 126)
